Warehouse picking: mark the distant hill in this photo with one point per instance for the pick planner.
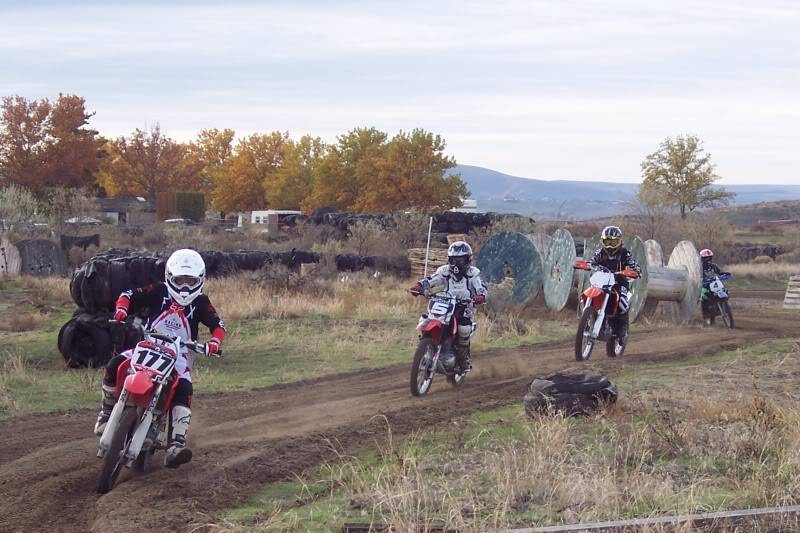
(495, 191)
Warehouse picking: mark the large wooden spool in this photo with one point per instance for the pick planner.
(792, 298)
(512, 262)
(10, 260)
(558, 269)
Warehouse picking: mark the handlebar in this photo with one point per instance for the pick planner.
(585, 265)
(197, 347)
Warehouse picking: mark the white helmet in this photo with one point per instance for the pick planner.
(185, 275)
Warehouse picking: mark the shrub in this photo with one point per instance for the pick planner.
(191, 205)
(762, 260)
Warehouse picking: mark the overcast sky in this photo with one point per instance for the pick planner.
(546, 89)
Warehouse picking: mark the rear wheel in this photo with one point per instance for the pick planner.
(725, 312)
(421, 371)
(583, 339)
(113, 461)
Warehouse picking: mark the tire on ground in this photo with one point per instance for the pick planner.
(570, 394)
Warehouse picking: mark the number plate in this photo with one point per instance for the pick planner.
(158, 362)
(440, 307)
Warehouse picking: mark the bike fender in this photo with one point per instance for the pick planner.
(434, 329)
(592, 292)
(140, 389)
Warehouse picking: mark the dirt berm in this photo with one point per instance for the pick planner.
(242, 441)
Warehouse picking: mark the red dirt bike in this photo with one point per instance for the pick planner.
(438, 329)
(137, 427)
(600, 305)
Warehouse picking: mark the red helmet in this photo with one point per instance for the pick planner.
(705, 252)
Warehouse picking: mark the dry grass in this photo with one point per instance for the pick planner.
(352, 295)
(773, 271)
(18, 323)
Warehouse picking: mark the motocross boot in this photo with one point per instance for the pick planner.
(463, 358)
(177, 451)
(107, 404)
(622, 329)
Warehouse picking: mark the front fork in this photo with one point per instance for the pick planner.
(601, 315)
(142, 427)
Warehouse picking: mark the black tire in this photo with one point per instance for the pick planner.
(75, 287)
(113, 460)
(583, 353)
(726, 313)
(420, 388)
(142, 463)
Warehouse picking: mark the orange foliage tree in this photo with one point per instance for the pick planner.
(242, 183)
(148, 163)
(44, 144)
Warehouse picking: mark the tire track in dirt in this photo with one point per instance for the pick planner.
(245, 440)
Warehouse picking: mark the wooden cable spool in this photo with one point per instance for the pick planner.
(10, 260)
(513, 261)
(558, 269)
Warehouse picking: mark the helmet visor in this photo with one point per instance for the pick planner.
(185, 282)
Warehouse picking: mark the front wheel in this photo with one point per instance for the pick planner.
(114, 459)
(725, 312)
(583, 339)
(421, 371)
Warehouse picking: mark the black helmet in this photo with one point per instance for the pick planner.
(459, 256)
(611, 238)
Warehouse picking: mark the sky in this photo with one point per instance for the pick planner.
(541, 89)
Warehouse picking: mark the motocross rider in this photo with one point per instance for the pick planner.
(710, 270)
(175, 307)
(460, 280)
(615, 257)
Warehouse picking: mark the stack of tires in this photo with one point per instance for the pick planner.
(88, 339)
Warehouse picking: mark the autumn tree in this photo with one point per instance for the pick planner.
(293, 181)
(211, 152)
(44, 144)
(148, 163)
(412, 174)
(248, 172)
(682, 170)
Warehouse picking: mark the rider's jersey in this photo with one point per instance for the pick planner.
(469, 286)
(710, 270)
(621, 260)
(166, 316)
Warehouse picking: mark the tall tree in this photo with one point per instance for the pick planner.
(148, 163)
(256, 158)
(293, 182)
(412, 174)
(24, 140)
(343, 173)
(211, 151)
(44, 144)
(682, 169)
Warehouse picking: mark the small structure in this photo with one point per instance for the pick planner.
(792, 298)
(10, 260)
(135, 211)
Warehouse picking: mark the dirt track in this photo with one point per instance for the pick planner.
(244, 440)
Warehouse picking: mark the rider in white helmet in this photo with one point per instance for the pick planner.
(458, 278)
(710, 270)
(175, 306)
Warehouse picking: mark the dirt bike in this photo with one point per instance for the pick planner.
(137, 427)
(714, 299)
(599, 305)
(438, 330)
